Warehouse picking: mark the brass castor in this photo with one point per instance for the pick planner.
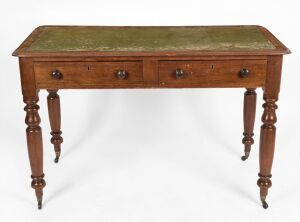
(57, 157)
(40, 204)
(265, 204)
(246, 156)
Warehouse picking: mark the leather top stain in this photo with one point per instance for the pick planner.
(67, 39)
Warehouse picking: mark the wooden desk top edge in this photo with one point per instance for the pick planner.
(281, 49)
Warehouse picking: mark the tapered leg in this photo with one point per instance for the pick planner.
(55, 122)
(267, 145)
(268, 129)
(35, 148)
(249, 117)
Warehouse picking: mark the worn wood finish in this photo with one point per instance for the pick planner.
(55, 121)
(226, 64)
(249, 117)
(212, 73)
(150, 73)
(87, 74)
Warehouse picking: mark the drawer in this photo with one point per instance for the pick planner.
(88, 74)
(232, 73)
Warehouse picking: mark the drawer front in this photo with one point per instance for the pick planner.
(232, 73)
(88, 74)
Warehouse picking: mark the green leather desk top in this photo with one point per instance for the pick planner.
(64, 39)
(149, 39)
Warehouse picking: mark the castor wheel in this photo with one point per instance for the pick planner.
(265, 205)
(57, 157)
(246, 156)
(39, 204)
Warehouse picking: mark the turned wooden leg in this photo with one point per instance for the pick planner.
(268, 129)
(267, 145)
(249, 117)
(55, 121)
(35, 148)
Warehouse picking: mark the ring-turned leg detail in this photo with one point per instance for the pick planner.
(249, 117)
(35, 148)
(55, 121)
(38, 183)
(264, 182)
(266, 151)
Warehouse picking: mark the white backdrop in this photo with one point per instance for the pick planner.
(148, 155)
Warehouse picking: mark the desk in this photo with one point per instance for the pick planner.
(76, 57)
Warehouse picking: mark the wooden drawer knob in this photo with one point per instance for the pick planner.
(56, 74)
(244, 73)
(121, 74)
(179, 73)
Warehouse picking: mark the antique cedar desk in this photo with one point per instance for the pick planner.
(68, 57)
